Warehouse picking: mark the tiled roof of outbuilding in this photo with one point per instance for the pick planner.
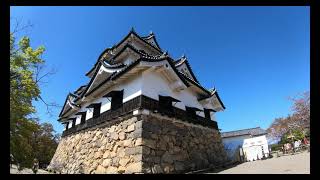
(251, 131)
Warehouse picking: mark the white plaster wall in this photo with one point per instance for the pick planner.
(151, 84)
(154, 85)
(78, 120)
(64, 127)
(251, 150)
(70, 124)
(131, 88)
(231, 145)
(105, 104)
(252, 147)
(89, 113)
(234, 142)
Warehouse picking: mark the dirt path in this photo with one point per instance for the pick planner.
(290, 164)
(14, 170)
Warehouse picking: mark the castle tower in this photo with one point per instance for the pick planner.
(141, 112)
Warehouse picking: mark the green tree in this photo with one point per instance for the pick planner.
(28, 138)
(44, 144)
(296, 133)
(299, 119)
(23, 89)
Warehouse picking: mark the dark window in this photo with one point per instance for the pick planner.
(165, 104)
(192, 112)
(96, 109)
(73, 122)
(67, 125)
(207, 113)
(96, 112)
(83, 117)
(116, 99)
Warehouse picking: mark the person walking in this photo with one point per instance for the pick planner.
(35, 166)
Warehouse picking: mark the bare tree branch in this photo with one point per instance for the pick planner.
(38, 70)
(49, 106)
(18, 27)
(39, 81)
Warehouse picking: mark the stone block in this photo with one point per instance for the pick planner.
(131, 120)
(112, 129)
(112, 170)
(134, 167)
(145, 150)
(139, 124)
(115, 161)
(100, 170)
(133, 150)
(106, 162)
(178, 166)
(127, 143)
(122, 135)
(98, 154)
(124, 161)
(137, 157)
(149, 143)
(138, 142)
(131, 128)
(167, 158)
(114, 136)
(121, 169)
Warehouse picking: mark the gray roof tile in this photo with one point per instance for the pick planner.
(251, 131)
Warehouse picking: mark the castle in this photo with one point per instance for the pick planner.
(141, 112)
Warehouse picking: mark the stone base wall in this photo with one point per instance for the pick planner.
(109, 149)
(172, 146)
(140, 144)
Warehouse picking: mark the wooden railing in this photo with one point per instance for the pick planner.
(139, 102)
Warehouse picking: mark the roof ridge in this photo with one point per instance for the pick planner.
(243, 129)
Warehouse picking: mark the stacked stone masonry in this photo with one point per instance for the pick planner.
(140, 144)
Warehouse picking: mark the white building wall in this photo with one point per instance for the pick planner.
(154, 85)
(131, 89)
(70, 124)
(89, 113)
(231, 145)
(151, 84)
(78, 120)
(64, 127)
(253, 147)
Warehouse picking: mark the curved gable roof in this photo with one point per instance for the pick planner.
(183, 60)
(151, 37)
(144, 39)
(66, 107)
(115, 75)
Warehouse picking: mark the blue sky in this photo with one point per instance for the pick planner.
(255, 56)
